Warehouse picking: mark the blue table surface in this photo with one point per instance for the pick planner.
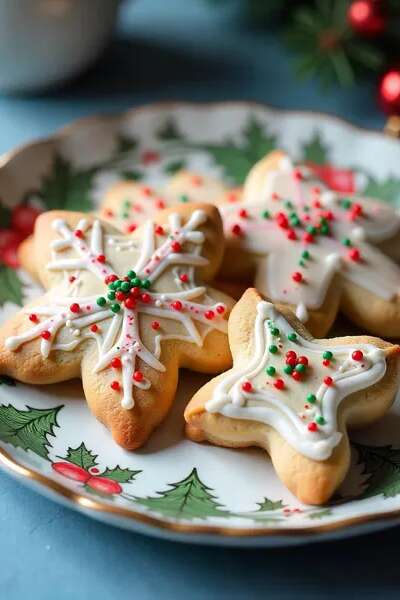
(192, 51)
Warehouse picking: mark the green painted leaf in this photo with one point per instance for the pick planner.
(66, 187)
(320, 514)
(175, 166)
(126, 144)
(10, 286)
(237, 158)
(81, 457)
(120, 475)
(268, 504)
(315, 150)
(187, 499)
(5, 216)
(169, 131)
(388, 189)
(131, 175)
(28, 429)
(382, 464)
(5, 380)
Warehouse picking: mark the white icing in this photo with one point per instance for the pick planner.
(302, 312)
(283, 409)
(121, 337)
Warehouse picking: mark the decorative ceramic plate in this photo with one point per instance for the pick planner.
(172, 487)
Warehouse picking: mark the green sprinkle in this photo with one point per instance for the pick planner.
(117, 284)
(184, 198)
(311, 398)
(311, 229)
(346, 203)
(131, 274)
(292, 336)
(270, 370)
(101, 301)
(288, 204)
(324, 229)
(127, 204)
(115, 307)
(295, 221)
(327, 355)
(302, 263)
(288, 369)
(346, 242)
(273, 349)
(125, 215)
(300, 368)
(265, 214)
(305, 254)
(146, 283)
(125, 286)
(306, 208)
(275, 331)
(320, 420)
(111, 295)
(136, 282)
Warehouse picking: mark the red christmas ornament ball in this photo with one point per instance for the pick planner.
(366, 17)
(389, 91)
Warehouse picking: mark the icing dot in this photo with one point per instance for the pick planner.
(357, 355)
(155, 325)
(138, 376)
(116, 363)
(33, 318)
(74, 308)
(247, 387)
(115, 386)
(46, 335)
(279, 384)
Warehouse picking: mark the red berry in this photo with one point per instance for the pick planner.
(176, 246)
(135, 292)
(296, 375)
(120, 296)
(236, 229)
(33, 318)
(357, 355)
(104, 485)
(71, 471)
(101, 258)
(138, 376)
(146, 298)
(159, 230)
(297, 277)
(220, 309)
(46, 335)
(177, 305)
(312, 426)
(243, 213)
(94, 328)
(23, 218)
(246, 386)
(302, 360)
(116, 363)
(209, 314)
(79, 233)
(74, 308)
(155, 325)
(354, 254)
(328, 381)
(115, 386)
(184, 278)
(279, 384)
(131, 227)
(130, 303)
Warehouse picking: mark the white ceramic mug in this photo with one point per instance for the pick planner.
(43, 42)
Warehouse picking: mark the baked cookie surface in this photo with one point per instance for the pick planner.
(294, 396)
(122, 312)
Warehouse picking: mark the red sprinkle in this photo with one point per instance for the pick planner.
(116, 363)
(197, 180)
(220, 309)
(291, 361)
(110, 279)
(176, 246)
(78, 233)
(115, 386)
(279, 384)
(302, 360)
(291, 235)
(33, 318)
(243, 213)
(138, 376)
(184, 278)
(120, 296)
(46, 335)
(326, 362)
(131, 227)
(357, 355)
(282, 220)
(328, 381)
(130, 303)
(94, 328)
(275, 196)
(354, 254)
(177, 305)
(291, 354)
(147, 191)
(146, 298)
(312, 426)
(308, 237)
(71, 278)
(155, 325)
(135, 292)
(159, 230)
(296, 375)
(209, 314)
(232, 197)
(160, 203)
(236, 229)
(297, 276)
(75, 308)
(101, 258)
(246, 386)
(297, 174)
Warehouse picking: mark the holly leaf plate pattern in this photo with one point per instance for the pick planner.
(174, 487)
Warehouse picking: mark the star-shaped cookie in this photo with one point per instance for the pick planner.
(315, 250)
(294, 395)
(123, 313)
